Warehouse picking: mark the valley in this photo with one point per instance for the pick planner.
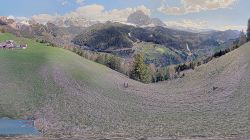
(114, 37)
(124, 70)
(121, 40)
(71, 96)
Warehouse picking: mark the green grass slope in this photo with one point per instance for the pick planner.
(58, 87)
(70, 95)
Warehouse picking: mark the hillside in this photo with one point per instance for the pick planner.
(122, 40)
(91, 37)
(69, 95)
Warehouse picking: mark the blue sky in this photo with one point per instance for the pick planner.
(220, 14)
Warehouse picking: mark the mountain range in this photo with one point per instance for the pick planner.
(160, 45)
(156, 43)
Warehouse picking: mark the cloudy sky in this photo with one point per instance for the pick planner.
(201, 14)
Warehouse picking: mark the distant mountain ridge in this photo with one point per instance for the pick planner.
(161, 46)
(158, 35)
(73, 21)
(116, 38)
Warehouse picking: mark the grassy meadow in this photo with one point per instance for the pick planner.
(69, 95)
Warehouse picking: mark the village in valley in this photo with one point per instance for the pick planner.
(10, 44)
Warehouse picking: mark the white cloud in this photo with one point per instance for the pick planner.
(233, 27)
(80, 1)
(94, 12)
(185, 23)
(65, 2)
(98, 12)
(194, 6)
(201, 25)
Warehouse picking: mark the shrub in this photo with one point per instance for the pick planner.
(114, 63)
(2, 30)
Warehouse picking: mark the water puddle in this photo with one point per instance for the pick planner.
(9, 127)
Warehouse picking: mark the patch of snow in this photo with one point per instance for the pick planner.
(25, 22)
(129, 34)
(188, 48)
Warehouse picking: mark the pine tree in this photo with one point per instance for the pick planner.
(140, 71)
(248, 31)
(243, 38)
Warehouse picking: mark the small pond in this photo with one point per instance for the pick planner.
(9, 127)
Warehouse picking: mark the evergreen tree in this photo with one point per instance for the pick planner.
(248, 31)
(192, 65)
(140, 71)
(243, 38)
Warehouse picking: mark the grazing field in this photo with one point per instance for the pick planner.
(71, 96)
